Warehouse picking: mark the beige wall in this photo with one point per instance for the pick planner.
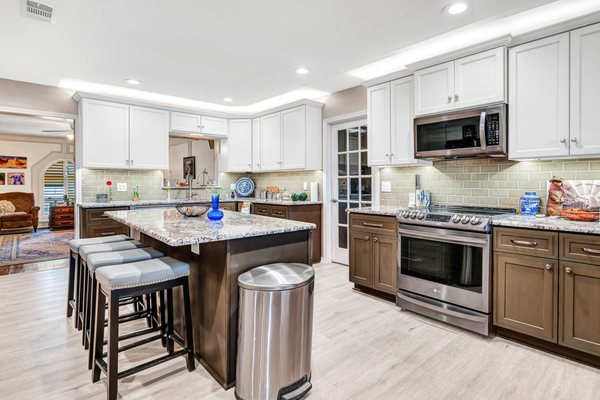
(345, 102)
(31, 96)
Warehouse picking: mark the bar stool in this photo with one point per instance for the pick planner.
(84, 252)
(98, 260)
(73, 281)
(138, 279)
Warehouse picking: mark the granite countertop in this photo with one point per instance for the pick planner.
(381, 210)
(172, 228)
(130, 203)
(559, 224)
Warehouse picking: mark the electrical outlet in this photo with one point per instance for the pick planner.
(122, 187)
(386, 186)
(305, 186)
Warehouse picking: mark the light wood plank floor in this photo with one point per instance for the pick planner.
(364, 348)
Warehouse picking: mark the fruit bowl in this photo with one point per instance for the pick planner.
(192, 211)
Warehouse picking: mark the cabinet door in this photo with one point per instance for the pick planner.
(402, 136)
(378, 120)
(293, 137)
(256, 144)
(270, 142)
(213, 126)
(184, 122)
(538, 121)
(585, 91)
(480, 79)
(239, 144)
(104, 134)
(385, 263)
(361, 259)
(434, 89)
(579, 307)
(148, 138)
(525, 295)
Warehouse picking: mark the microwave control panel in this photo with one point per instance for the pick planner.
(493, 130)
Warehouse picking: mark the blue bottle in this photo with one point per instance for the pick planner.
(530, 204)
(214, 214)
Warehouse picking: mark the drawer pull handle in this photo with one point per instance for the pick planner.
(524, 243)
(107, 233)
(591, 251)
(372, 225)
(568, 270)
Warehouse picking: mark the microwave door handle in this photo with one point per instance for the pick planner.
(482, 130)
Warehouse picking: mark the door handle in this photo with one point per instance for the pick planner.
(482, 130)
(334, 201)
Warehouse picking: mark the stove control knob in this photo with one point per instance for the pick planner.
(420, 215)
(405, 214)
(456, 218)
(475, 220)
(413, 214)
(465, 219)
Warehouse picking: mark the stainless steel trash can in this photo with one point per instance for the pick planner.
(275, 332)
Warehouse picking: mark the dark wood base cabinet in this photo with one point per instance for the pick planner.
(61, 217)
(93, 223)
(550, 293)
(373, 252)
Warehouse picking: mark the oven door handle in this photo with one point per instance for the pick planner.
(482, 130)
(439, 310)
(452, 238)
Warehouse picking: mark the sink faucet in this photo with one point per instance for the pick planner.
(190, 195)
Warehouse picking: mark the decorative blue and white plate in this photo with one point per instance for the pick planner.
(244, 187)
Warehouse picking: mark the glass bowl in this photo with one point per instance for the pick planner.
(192, 211)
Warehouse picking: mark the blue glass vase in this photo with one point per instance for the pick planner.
(214, 214)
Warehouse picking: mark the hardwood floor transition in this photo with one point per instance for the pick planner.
(364, 348)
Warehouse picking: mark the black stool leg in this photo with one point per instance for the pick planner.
(92, 327)
(71, 285)
(85, 302)
(170, 342)
(148, 305)
(112, 368)
(77, 291)
(153, 310)
(98, 332)
(189, 339)
(163, 324)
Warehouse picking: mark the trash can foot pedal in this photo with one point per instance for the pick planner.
(298, 392)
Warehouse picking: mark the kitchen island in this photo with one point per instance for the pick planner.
(218, 252)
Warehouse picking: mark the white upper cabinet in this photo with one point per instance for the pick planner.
(293, 138)
(148, 138)
(239, 144)
(539, 99)
(184, 122)
(194, 123)
(585, 91)
(256, 144)
(378, 121)
(434, 89)
(480, 79)
(104, 136)
(270, 142)
(467, 82)
(402, 134)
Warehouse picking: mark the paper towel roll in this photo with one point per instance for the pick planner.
(314, 191)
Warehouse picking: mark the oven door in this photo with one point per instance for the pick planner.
(446, 265)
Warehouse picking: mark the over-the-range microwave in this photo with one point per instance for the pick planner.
(477, 132)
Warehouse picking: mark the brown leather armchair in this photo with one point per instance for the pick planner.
(25, 216)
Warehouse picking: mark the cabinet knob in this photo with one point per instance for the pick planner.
(549, 267)
(367, 238)
(375, 239)
(392, 155)
(455, 97)
(574, 140)
(563, 140)
(568, 270)
(449, 99)
(387, 155)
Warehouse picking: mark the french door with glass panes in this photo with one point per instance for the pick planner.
(351, 181)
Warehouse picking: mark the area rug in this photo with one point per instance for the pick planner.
(32, 247)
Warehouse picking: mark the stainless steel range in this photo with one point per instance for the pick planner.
(444, 263)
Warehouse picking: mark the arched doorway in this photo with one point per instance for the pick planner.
(59, 181)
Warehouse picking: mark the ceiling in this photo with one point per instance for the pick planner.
(11, 124)
(208, 50)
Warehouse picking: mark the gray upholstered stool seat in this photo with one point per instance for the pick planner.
(141, 273)
(97, 260)
(75, 244)
(85, 251)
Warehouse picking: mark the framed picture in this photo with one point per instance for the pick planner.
(16, 178)
(13, 162)
(2, 178)
(189, 167)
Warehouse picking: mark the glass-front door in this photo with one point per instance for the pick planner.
(351, 181)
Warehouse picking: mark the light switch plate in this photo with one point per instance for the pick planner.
(122, 187)
(386, 186)
(305, 186)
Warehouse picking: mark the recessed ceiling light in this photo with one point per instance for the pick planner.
(302, 71)
(228, 99)
(133, 81)
(456, 8)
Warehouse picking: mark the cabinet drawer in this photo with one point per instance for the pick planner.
(260, 209)
(96, 216)
(580, 248)
(61, 210)
(107, 230)
(230, 206)
(526, 242)
(373, 223)
(279, 212)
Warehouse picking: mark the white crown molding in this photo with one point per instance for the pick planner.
(555, 29)
(389, 77)
(35, 113)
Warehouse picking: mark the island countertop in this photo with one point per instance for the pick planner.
(173, 229)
